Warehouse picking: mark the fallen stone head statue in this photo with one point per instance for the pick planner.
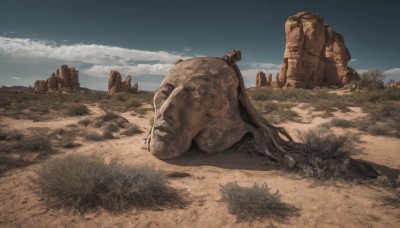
(204, 100)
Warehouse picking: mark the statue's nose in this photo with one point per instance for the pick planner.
(170, 109)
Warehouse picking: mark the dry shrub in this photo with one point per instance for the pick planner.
(326, 155)
(77, 109)
(337, 122)
(255, 202)
(93, 136)
(84, 122)
(132, 130)
(35, 143)
(85, 182)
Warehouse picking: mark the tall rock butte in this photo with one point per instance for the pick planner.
(315, 55)
(66, 79)
(115, 85)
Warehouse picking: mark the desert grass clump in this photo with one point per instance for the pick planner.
(86, 182)
(84, 122)
(9, 135)
(93, 136)
(326, 156)
(337, 122)
(255, 202)
(133, 103)
(393, 200)
(77, 109)
(132, 129)
(35, 143)
(68, 141)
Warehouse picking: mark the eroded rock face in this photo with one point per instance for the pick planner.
(40, 86)
(315, 54)
(64, 80)
(115, 85)
(261, 79)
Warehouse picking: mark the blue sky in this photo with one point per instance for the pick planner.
(145, 38)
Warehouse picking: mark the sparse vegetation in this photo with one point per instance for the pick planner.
(327, 156)
(93, 136)
(132, 129)
(77, 109)
(84, 122)
(337, 122)
(255, 202)
(372, 80)
(393, 200)
(85, 182)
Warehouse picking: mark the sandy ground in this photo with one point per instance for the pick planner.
(338, 204)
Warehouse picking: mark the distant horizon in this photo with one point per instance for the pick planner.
(145, 38)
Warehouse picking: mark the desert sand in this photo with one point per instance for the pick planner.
(329, 204)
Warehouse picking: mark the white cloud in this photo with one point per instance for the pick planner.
(100, 59)
(265, 66)
(139, 69)
(392, 74)
(353, 60)
(16, 78)
(85, 53)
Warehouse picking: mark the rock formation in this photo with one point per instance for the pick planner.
(135, 88)
(315, 54)
(261, 79)
(269, 80)
(40, 86)
(64, 80)
(115, 85)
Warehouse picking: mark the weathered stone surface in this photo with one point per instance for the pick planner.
(203, 100)
(114, 82)
(135, 88)
(315, 54)
(261, 79)
(269, 80)
(40, 86)
(64, 80)
(115, 85)
(126, 84)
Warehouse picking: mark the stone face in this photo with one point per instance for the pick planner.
(261, 79)
(204, 100)
(115, 85)
(315, 55)
(64, 80)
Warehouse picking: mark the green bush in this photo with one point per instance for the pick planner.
(85, 182)
(77, 109)
(255, 202)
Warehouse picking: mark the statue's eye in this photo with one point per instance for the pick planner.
(167, 89)
(165, 92)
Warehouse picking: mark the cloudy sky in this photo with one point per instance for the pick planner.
(144, 38)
